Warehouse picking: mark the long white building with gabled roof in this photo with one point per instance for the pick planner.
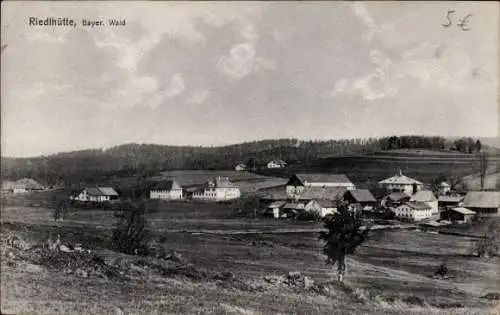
(401, 183)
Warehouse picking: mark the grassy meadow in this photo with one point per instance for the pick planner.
(389, 274)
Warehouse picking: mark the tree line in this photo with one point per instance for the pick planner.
(145, 160)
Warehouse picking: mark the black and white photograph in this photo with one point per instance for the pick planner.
(250, 157)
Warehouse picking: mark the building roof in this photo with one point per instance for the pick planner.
(396, 196)
(167, 185)
(277, 204)
(292, 205)
(482, 199)
(423, 195)
(278, 161)
(23, 183)
(309, 193)
(417, 205)
(323, 178)
(99, 191)
(108, 191)
(450, 198)
(362, 195)
(400, 179)
(463, 210)
(326, 203)
(220, 182)
(444, 184)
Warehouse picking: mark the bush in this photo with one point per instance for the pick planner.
(131, 235)
(309, 216)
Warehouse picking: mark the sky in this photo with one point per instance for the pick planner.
(206, 73)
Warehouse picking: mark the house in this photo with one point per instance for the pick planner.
(450, 201)
(304, 194)
(484, 203)
(276, 207)
(319, 180)
(458, 215)
(362, 197)
(276, 164)
(218, 189)
(321, 207)
(401, 183)
(413, 211)
(240, 167)
(97, 194)
(21, 186)
(444, 188)
(166, 190)
(428, 197)
(327, 207)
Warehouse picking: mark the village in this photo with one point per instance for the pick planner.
(309, 196)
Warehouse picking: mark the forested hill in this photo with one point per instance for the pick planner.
(147, 159)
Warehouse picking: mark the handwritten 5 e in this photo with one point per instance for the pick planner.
(461, 23)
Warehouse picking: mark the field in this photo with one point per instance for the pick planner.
(424, 165)
(390, 274)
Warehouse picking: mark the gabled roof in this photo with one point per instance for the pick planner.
(100, 191)
(482, 199)
(277, 204)
(423, 195)
(309, 193)
(294, 206)
(108, 191)
(361, 195)
(400, 179)
(396, 196)
(463, 210)
(450, 198)
(166, 185)
(323, 178)
(326, 203)
(23, 183)
(417, 205)
(220, 182)
(278, 161)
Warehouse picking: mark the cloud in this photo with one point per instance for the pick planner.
(242, 61)
(362, 13)
(175, 87)
(377, 84)
(198, 96)
(134, 92)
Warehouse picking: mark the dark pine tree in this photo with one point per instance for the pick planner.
(345, 232)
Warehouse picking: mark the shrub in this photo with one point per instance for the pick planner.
(309, 216)
(130, 234)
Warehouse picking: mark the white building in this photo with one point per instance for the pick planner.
(240, 167)
(276, 164)
(297, 182)
(97, 194)
(167, 190)
(401, 183)
(428, 197)
(219, 189)
(413, 211)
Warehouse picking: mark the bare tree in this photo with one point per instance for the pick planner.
(489, 244)
(483, 165)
